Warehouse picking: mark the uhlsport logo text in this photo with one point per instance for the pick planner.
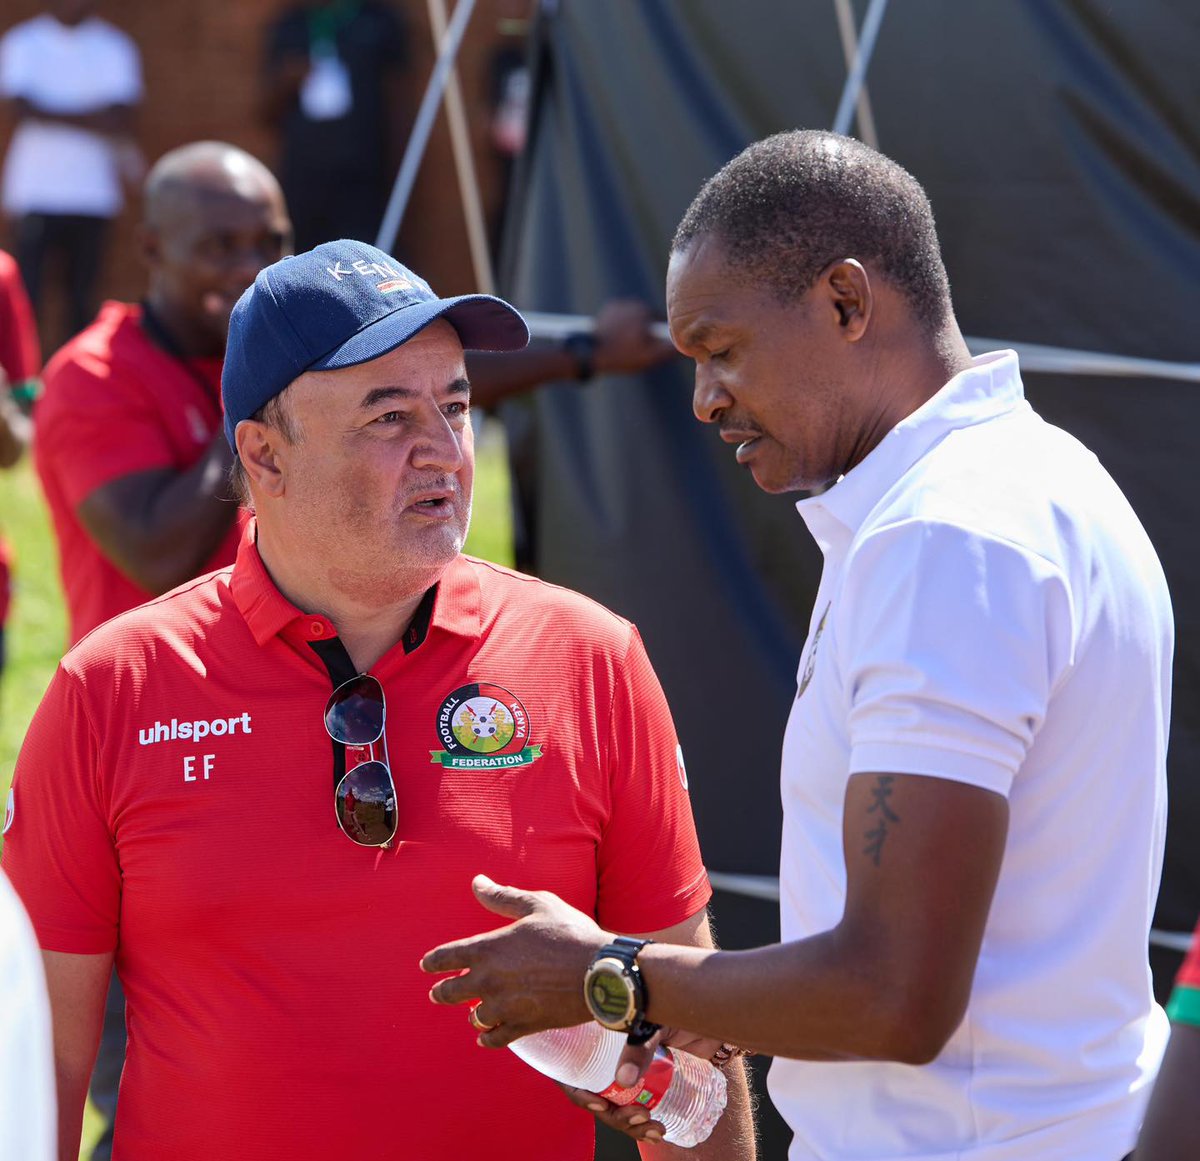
(192, 731)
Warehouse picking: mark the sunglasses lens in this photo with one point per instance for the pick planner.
(366, 805)
(354, 712)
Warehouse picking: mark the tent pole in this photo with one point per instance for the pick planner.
(849, 35)
(464, 164)
(419, 138)
(858, 73)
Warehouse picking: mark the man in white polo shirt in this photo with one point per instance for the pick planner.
(72, 82)
(974, 768)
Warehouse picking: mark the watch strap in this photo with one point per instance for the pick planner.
(581, 346)
(626, 949)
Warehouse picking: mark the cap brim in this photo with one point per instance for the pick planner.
(483, 323)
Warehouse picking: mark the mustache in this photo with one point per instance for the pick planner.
(732, 424)
(446, 484)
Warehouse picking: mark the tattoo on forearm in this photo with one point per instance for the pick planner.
(875, 836)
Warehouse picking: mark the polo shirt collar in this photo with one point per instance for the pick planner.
(268, 613)
(990, 387)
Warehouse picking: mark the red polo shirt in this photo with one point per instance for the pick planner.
(174, 801)
(115, 404)
(20, 359)
(5, 580)
(20, 353)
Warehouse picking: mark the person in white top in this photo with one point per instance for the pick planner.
(974, 768)
(72, 82)
(28, 1121)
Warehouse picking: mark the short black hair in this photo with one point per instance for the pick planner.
(788, 205)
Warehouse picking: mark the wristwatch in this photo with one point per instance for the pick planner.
(615, 992)
(581, 346)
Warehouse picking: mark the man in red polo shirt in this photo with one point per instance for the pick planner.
(266, 893)
(20, 361)
(129, 445)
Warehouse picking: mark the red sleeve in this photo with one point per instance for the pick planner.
(5, 580)
(651, 875)
(20, 352)
(95, 425)
(1189, 973)
(59, 850)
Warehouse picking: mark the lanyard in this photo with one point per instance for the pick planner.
(165, 341)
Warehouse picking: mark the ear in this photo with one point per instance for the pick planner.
(850, 291)
(258, 449)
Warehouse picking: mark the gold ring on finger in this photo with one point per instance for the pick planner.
(477, 1023)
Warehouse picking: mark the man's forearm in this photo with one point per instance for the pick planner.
(190, 517)
(814, 999)
(161, 527)
(71, 1087)
(891, 981)
(75, 985)
(494, 377)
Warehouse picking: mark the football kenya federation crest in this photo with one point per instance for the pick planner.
(483, 727)
(811, 664)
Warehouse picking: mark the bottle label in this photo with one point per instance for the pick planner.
(653, 1087)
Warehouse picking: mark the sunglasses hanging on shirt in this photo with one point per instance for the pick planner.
(365, 797)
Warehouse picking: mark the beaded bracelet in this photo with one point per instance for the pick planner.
(726, 1053)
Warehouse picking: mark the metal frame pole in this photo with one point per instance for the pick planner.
(862, 59)
(849, 36)
(419, 138)
(464, 163)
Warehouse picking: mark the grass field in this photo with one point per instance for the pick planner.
(37, 627)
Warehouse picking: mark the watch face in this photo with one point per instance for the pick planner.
(610, 993)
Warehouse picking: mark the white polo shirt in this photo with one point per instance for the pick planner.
(991, 612)
(28, 1121)
(72, 69)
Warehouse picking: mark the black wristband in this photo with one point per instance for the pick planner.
(615, 992)
(581, 346)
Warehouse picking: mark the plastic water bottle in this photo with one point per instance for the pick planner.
(683, 1092)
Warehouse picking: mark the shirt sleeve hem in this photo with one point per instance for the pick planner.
(73, 942)
(684, 905)
(91, 478)
(931, 761)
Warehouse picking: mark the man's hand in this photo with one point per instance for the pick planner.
(528, 976)
(632, 1119)
(625, 339)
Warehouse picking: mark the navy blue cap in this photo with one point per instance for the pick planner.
(339, 305)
